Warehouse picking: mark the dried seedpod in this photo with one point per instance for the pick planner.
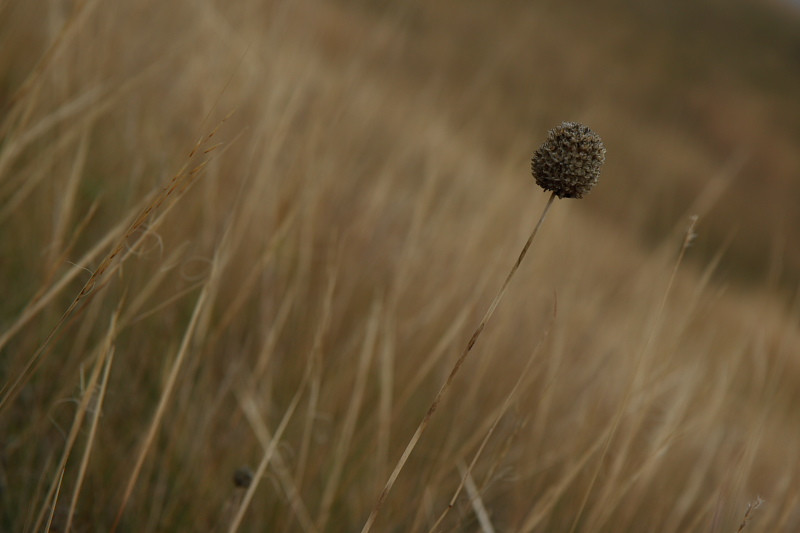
(568, 162)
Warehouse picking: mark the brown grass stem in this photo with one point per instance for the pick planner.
(475, 499)
(466, 471)
(269, 453)
(351, 417)
(112, 262)
(52, 513)
(638, 369)
(155, 423)
(456, 367)
(752, 506)
(83, 407)
(91, 438)
(281, 469)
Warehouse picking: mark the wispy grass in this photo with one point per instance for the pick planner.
(287, 294)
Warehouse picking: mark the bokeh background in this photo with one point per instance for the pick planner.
(261, 232)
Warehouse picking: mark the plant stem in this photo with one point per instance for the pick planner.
(459, 362)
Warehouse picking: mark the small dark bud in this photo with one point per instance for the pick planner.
(243, 477)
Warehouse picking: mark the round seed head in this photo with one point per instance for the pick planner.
(242, 477)
(568, 162)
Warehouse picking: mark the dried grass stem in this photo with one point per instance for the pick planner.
(456, 367)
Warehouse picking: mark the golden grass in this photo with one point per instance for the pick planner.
(260, 234)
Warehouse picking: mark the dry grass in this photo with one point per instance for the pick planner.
(260, 235)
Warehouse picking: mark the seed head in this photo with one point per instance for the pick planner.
(568, 162)
(242, 477)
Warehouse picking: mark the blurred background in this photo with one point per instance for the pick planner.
(690, 97)
(320, 198)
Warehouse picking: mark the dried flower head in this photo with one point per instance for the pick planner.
(568, 162)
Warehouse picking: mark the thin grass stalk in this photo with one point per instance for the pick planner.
(68, 197)
(440, 350)
(637, 370)
(476, 500)
(385, 394)
(279, 466)
(55, 498)
(500, 413)
(162, 403)
(268, 453)
(90, 439)
(41, 299)
(752, 506)
(82, 11)
(459, 362)
(37, 493)
(351, 417)
(85, 103)
(80, 414)
(544, 505)
(315, 369)
(169, 194)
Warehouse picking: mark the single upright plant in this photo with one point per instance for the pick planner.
(568, 165)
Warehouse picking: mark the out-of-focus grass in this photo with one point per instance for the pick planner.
(308, 205)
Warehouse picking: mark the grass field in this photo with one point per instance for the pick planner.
(244, 243)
